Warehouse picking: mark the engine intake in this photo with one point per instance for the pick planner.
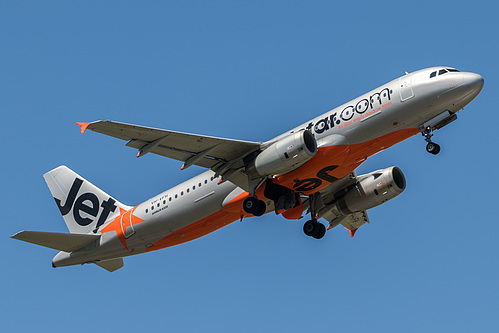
(283, 156)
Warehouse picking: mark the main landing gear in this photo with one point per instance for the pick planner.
(254, 206)
(431, 147)
(312, 227)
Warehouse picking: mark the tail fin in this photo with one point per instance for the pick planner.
(84, 207)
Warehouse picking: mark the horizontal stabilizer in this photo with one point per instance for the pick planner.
(110, 265)
(56, 240)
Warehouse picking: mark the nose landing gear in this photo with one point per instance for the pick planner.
(431, 147)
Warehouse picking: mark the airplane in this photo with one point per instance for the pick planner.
(310, 169)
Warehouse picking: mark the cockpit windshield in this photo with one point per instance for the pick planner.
(443, 71)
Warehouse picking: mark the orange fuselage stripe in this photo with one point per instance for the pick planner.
(346, 157)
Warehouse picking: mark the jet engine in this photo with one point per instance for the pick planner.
(283, 156)
(372, 190)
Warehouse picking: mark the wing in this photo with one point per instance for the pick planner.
(224, 156)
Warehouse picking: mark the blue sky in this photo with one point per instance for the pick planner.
(247, 70)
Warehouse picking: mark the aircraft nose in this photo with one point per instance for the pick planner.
(473, 81)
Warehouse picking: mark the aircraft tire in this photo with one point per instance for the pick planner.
(437, 149)
(261, 208)
(433, 148)
(311, 227)
(250, 205)
(321, 232)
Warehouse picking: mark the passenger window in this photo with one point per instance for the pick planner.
(187, 190)
(158, 205)
(182, 193)
(442, 71)
(176, 196)
(170, 199)
(433, 74)
(164, 202)
(147, 211)
(206, 181)
(199, 185)
(152, 207)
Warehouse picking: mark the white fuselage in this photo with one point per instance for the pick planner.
(402, 104)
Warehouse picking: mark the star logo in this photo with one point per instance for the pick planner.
(125, 220)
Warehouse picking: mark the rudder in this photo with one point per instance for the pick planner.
(84, 207)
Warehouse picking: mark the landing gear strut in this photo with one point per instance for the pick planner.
(431, 147)
(312, 227)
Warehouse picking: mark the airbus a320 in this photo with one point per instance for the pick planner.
(308, 170)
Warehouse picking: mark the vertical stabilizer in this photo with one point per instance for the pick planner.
(84, 207)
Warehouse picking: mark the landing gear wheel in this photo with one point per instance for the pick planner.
(321, 232)
(311, 227)
(250, 205)
(437, 150)
(433, 148)
(261, 208)
(254, 206)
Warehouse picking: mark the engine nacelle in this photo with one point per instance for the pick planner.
(284, 155)
(372, 190)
